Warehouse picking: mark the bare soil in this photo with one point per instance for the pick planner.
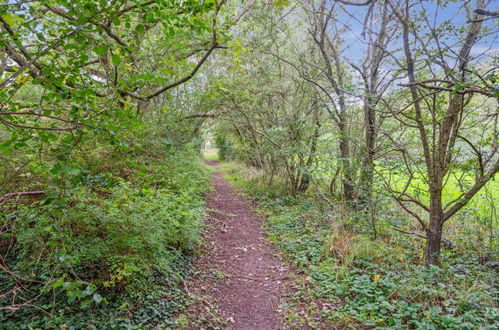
(239, 282)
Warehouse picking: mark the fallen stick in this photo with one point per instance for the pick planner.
(21, 193)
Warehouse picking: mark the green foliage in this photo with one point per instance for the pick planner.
(224, 146)
(363, 282)
(99, 249)
(96, 120)
(114, 228)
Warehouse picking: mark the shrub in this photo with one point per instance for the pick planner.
(362, 282)
(93, 249)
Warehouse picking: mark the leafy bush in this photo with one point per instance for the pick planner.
(225, 148)
(363, 282)
(105, 253)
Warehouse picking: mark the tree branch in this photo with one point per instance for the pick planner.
(21, 193)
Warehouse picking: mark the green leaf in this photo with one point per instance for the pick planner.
(116, 59)
(89, 290)
(9, 19)
(97, 298)
(86, 303)
(58, 283)
(6, 149)
(140, 28)
(73, 171)
(281, 3)
(101, 50)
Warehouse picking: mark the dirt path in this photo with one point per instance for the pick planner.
(240, 279)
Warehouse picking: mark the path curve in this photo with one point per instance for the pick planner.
(250, 295)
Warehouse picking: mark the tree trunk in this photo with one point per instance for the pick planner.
(433, 241)
(434, 230)
(346, 180)
(305, 177)
(304, 182)
(294, 185)
(367, 171)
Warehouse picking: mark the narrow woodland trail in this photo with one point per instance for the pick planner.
(240, 279)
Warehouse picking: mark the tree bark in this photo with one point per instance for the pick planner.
(346, 179)
(367, 170)
(305, 178)
(434, 231)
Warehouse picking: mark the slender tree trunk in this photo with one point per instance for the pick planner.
(433, 242)
(305, 178)
(367, 171)
(346, 180)
(304, 182)
(434, 230)
(332, 184)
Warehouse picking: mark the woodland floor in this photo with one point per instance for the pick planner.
(240, 281)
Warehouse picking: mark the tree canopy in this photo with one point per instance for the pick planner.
(383, 111)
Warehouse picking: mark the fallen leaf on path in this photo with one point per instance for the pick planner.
(231, 320)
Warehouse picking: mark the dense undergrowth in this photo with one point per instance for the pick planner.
(112, 251)
(352, 280)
